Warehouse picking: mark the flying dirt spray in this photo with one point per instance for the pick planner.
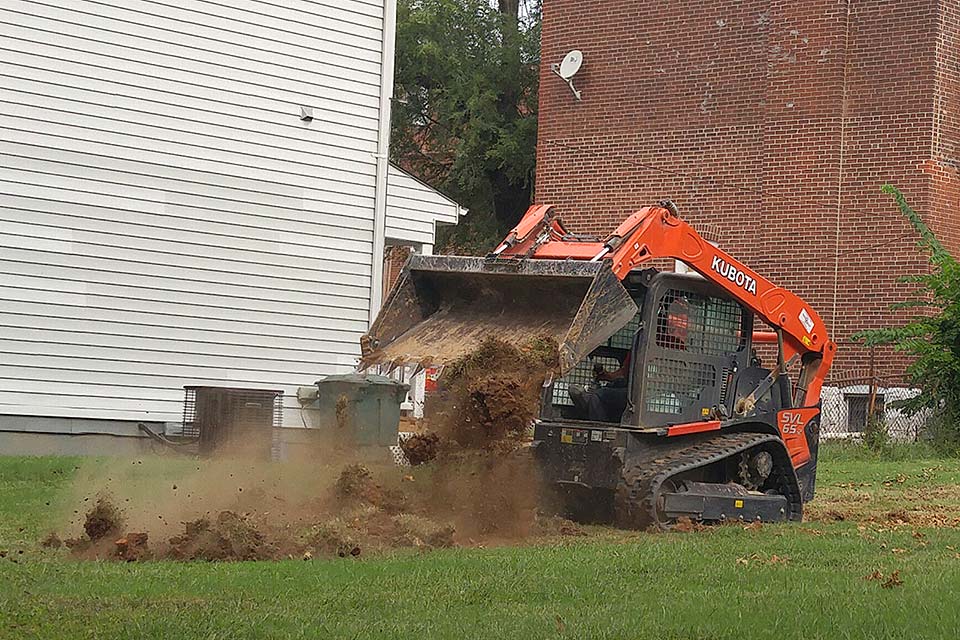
(473, 483)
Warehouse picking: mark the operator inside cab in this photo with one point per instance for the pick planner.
(607, 403)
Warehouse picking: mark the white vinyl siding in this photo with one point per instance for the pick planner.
(414, 209)
(166, 218)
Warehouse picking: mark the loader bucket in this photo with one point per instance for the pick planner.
(443, 307)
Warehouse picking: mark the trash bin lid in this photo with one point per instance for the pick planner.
(360, 379)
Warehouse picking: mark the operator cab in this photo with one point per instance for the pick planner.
(690, 355)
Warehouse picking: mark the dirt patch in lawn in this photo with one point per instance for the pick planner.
(445, 505)
(888, 505)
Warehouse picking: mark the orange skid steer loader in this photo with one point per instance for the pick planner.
(689, 423)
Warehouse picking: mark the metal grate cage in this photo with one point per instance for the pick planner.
(233, 421)
(582, 375)
(699, 324)
(673, 385)
(623, 339)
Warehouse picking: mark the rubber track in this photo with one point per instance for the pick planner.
(640, 484)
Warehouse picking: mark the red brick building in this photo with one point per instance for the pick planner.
(775, 123)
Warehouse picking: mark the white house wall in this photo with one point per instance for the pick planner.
(166, 218)
(414, 209)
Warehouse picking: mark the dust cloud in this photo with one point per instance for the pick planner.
(471, 482)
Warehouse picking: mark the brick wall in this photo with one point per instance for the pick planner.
(944, 165)
(394, 257)
(775, 121)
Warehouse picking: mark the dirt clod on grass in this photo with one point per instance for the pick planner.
(686, 525)
(104, 520)
(420, 448)
(52, 541)
(132, 547)
(102, 527)
(893, 581)
(757, 559)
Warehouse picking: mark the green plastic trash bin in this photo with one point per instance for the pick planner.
(360, 410)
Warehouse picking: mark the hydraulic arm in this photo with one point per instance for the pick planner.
(658, 232)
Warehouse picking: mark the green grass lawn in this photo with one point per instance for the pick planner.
(789, 581)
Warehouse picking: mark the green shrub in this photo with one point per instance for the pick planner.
(932, 337)
(876, 436)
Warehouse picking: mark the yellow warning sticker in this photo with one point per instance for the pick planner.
(566, 437)
(705, 411)
(738, 504)
(807, 341)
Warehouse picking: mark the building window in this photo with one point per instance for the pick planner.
(857, 407)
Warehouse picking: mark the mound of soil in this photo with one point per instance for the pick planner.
(230, 537)
(366, 529)
(133, 547)
(490, 395)
(102, 526)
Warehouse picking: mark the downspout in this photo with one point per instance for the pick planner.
(383, 156)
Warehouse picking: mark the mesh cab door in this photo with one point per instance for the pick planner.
(694, 339)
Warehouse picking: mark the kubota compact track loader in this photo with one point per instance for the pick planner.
(699, 428)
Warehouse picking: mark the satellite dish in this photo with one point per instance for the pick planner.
(568, 68)
(571, 64)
